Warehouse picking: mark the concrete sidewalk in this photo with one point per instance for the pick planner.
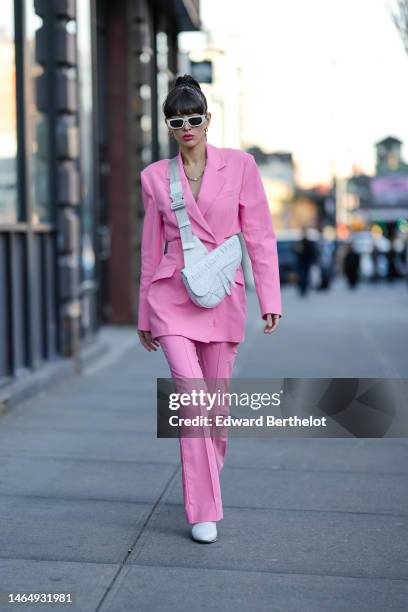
(91, 501)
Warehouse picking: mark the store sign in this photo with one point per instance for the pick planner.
(390, 190)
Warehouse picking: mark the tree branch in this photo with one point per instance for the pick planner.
(399, 16)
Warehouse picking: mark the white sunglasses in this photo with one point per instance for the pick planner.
(175, 123)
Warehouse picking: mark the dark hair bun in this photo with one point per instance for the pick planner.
(188, 80)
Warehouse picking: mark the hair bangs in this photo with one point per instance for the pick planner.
(184, 101)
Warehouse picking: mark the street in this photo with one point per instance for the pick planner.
(91, 500)
(334, 333)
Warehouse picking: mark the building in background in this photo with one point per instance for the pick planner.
(381, 200)
(278, 176)
(313, 208)
(81, 85)
(389, 156)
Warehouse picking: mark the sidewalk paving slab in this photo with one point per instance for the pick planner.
(183, 589)
(88, 581)
(317, 490)
(358, 545)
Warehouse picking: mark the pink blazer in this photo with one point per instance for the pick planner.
(231, 199)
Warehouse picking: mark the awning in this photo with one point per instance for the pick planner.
(184, 13)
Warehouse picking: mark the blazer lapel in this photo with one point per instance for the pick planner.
(211, 184)
(213, 180)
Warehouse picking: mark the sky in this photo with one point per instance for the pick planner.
(323, 79)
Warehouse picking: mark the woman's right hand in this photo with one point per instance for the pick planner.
(146, 340)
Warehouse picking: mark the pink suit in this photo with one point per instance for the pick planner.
(202, 342)
(231, 199)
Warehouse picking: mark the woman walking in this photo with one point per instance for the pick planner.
(223, 195)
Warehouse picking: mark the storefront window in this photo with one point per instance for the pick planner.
(85, 76)
(87, 165)
(37, 128)
(8, 122)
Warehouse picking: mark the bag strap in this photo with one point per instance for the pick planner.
(189, 240)
(179, 206)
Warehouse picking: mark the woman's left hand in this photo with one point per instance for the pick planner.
(272, 322)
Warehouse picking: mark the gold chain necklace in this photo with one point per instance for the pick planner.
(190, 178)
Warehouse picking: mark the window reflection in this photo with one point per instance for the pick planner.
(85, 75)
(37, 128)
(8, 130)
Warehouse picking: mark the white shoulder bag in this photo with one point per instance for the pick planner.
(207, 275)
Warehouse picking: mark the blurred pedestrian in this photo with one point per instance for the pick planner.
(394, 265)
(306, 255)
(375, 256)
(351, 266)
(326, 261)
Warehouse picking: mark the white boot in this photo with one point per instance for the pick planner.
(204, 532)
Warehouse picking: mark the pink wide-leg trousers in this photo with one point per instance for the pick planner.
(202, 458)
